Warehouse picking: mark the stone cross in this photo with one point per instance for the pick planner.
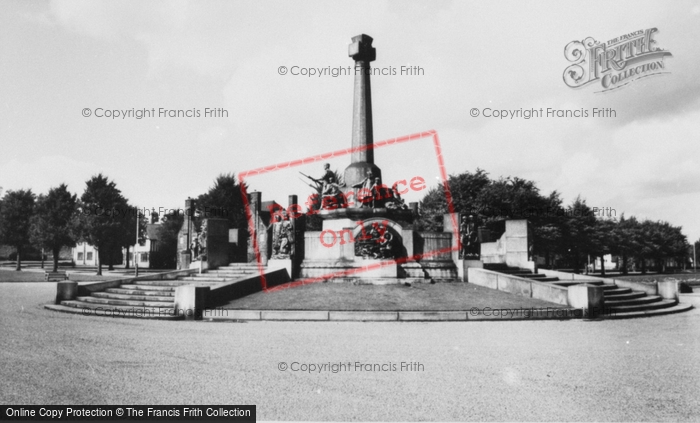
(362, 161)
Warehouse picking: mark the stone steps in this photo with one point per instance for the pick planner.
(77, 307)
(607, 287)
(568, 283)
(149, 288)
(644, 299)
(642, 307)
(678, 308)
(133, 303)
(152, 299)
(235, 273)
(616, 291)
(213, 279)
(169, 283)
(631, 296)
(618, 302)
(134, 296)
(142, 292)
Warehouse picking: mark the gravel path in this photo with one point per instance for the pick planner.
(641, 369)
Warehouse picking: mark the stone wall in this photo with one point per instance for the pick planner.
(217, 242)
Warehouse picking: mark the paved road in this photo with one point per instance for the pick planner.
(642, 369)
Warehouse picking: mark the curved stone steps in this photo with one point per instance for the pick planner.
(643, 299)
(233, 275)
(606, 287)
(133, 297)
(136, 303)
(76, 307)
(143, 292)
(171, 283)
(207, 279)
(642, 307)
(618, 302)
(678, 308)
(148, 288)
(616, 291)
(623, 297)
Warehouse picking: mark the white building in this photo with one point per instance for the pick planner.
(84, 254)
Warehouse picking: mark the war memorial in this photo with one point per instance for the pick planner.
(367, 237)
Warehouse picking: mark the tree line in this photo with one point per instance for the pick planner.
(60, 219)
(103, 218)
(564, 235)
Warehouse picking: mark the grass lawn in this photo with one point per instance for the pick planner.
(25, 276)
(418, 297)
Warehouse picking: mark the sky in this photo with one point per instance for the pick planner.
(60, 58)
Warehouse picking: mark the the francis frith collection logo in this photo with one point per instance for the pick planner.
(615, 63)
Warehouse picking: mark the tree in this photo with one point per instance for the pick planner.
(102, 217)
(547, 232)
(224, 200)
(578, 233)
(54, 224)
(128, 238)
(627, 234)
(492, 201)
(15, 220)
(465, 189)
(604, 240)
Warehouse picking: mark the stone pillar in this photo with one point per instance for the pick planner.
(297, 247)
(362, 160)
(185, 236)
(462, 264)
(254, 204)
(449, 220)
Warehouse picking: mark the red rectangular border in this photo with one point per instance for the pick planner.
(334, 154)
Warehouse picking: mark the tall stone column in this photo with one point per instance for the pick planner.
(254, 204)
(185, 236)
(362, 160)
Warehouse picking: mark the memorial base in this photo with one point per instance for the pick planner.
(463, 265)
(280, 264)
(199, 264)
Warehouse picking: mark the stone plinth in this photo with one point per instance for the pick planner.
(586, 297)
(668, 290)
(280, 264)
(190, 301)
(516, 243)
(464, 265)
(201, 265)
(66, 291)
